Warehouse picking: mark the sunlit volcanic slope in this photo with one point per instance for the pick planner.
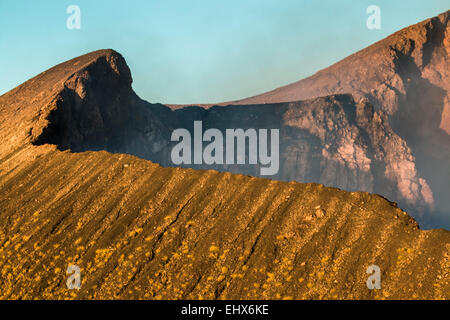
(387, 73)
(140, 230)
(407, 75)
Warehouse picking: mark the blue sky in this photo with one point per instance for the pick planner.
(199, 51)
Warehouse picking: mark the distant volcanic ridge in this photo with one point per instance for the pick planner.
(139, 230)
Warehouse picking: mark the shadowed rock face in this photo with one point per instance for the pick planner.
(330, 140)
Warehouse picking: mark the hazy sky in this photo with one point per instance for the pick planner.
(198, 51)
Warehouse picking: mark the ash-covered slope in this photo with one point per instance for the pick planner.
(407, 75)
(412, 61)
(138, 230)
